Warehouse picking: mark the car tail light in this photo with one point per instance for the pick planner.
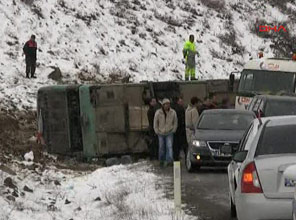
(250, 180)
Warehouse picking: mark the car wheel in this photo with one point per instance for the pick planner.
(232, 208)
(189, 166)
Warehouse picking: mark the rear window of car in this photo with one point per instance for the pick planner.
(277, 140)
(225, 121)
(280, 107)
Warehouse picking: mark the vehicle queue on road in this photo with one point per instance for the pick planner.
(262, 170)
(258, 151)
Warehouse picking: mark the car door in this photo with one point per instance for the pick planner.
(234, 167)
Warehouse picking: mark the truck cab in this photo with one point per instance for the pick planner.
(268, 76)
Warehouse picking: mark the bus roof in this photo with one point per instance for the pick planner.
(272, 64)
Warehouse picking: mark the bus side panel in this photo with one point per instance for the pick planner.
(88, 119)
(136, 142)
(190, 89)
(137, 118)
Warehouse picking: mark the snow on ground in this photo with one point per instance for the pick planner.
(119, 192)
(90, 40)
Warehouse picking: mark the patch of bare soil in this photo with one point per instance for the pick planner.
(17, 137)
(16, 130)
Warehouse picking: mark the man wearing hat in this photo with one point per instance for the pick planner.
(165, 125)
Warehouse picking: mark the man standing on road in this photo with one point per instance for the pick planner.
(180, 135)
(30, 51)
(165, 125)
(153, 142)
(189, 52)
(191, 118)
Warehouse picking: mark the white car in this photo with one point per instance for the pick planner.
(290, 175)
(258, 188)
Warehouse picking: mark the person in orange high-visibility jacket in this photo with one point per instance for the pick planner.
(189, 52)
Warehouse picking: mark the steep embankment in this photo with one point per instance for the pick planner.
(132, 40)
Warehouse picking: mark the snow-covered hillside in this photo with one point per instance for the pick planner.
(96, 40)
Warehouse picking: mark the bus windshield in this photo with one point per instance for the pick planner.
(266, 82)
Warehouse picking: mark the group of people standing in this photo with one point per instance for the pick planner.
(171, 126)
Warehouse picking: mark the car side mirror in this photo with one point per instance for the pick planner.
(240, 156)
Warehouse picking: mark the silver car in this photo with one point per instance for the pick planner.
(258, 188)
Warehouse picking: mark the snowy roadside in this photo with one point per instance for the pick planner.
(118, 192)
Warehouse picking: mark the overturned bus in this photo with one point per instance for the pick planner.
(104, 120)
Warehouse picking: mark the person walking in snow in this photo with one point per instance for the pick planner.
(189, 53)
(165, 125)
(30, 51)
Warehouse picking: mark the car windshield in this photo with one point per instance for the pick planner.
(266, 82)
(225, 121)
(280, 107)
(277, 140)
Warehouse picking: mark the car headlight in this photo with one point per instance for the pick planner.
(199, 143)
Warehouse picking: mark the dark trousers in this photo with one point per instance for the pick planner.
(153, 147)
(30, 67)
(180, 143)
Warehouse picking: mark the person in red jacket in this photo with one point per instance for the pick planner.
(30, 51)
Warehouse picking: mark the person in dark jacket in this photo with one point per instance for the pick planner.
(153, 139)
(30, 51)
(180, 135)
(225, 104)
(209, 103)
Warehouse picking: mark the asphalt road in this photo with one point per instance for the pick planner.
(204, 193)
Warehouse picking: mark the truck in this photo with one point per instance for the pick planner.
(270, 76)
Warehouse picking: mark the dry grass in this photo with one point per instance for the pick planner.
(280, 4)
(283, 42)
(217, 5)
(117, 75)
(230, 39)
(28, 2)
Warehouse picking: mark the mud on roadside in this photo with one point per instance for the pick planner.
(17, 137)
(16, 129)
